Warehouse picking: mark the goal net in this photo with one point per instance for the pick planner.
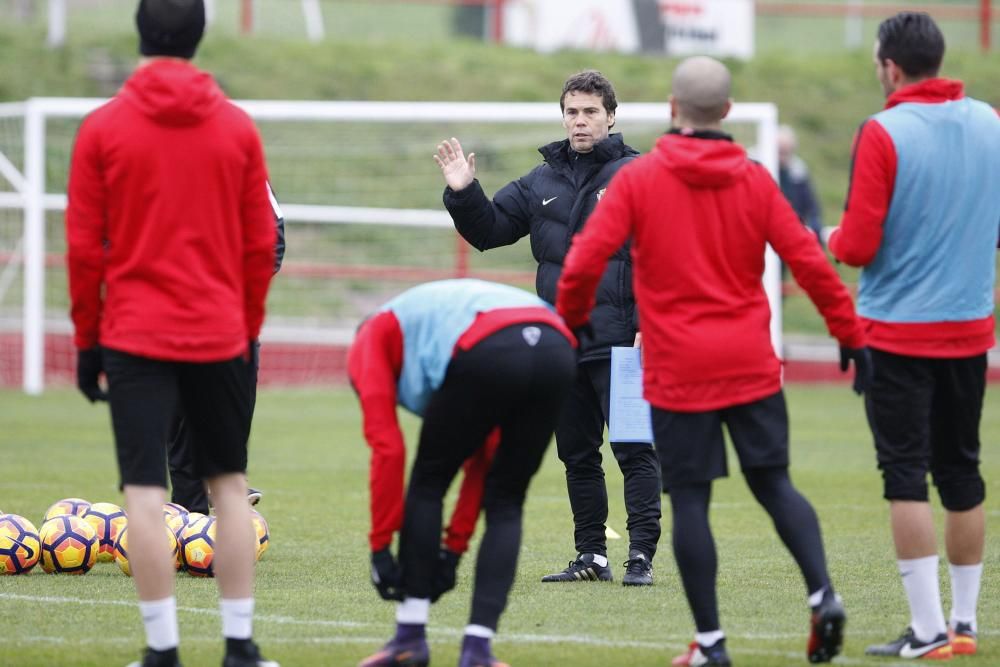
(361, 197)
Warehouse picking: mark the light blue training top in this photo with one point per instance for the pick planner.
(432, 317)
(937, 259)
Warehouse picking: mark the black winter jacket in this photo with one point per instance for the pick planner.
(551, 204)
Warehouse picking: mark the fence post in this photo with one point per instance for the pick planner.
(34, 249)
(985, 19)
(461, 257)
(854, 24)
(57, 23)
(246, 17)
(312, 14)
(498, 21)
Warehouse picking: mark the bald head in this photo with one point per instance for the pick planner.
(701, 90)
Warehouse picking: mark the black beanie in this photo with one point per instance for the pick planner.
(170, 27)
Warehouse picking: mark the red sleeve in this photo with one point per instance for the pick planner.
(873, 177)
(373, 366)
(85, 234)
(259, 238)
(606, 230)
(797, 247)
(470, 495)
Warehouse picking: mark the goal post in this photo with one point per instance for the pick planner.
(359, 192)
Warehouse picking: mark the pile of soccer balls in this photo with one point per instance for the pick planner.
(76, 534)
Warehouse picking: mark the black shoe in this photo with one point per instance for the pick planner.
(582, 569)
(254, 496)
(153, 658)
(908, 646)
(638, 570)
(704, 656)
(414, 653)
(245, 654)
(826, 629)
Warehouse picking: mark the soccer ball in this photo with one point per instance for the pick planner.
(77, 506)
(107, 520)
(177, 522)
(197, 546)
(121, 550)
(19, 546)
(262, 534)
(69, 544)
(173, 509)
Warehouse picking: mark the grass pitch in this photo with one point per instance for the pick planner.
(315, 605)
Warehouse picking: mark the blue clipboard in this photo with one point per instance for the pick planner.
(629, 418)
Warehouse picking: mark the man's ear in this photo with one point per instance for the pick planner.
(673, 107)
(895, 72)
(611, 120)
(729, 107)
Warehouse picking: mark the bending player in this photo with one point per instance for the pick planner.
(473, 359)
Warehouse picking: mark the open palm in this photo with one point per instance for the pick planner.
(458, 170)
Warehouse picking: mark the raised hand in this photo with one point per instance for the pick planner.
(458, 170)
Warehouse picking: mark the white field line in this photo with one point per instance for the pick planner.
(322, 641)
(675, 642)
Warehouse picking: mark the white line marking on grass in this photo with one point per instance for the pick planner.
(675, 642)
(281, 620)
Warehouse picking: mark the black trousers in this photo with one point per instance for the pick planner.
(187, 488)
(504, 381)
(579, 436)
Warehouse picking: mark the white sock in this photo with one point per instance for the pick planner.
(707, 639)
(965, 581)
(920, 579)
(817, 597)
(413, 611)
(479, 631)
(600, 560)
(237, 618)
(160, 620)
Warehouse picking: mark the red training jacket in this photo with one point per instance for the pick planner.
(700, 215)
(169, 228)
(373, 366)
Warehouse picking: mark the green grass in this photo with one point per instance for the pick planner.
(316, 607)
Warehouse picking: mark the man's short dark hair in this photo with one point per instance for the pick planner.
(593, 82)
(170, 27)
(913, 41)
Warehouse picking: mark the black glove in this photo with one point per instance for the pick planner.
(444, 573)
(254, 346)
(387, 578)
(89, 365)
(863, 372)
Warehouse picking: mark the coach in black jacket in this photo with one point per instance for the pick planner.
(551, 204)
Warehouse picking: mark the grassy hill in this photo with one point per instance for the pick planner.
(825, 95)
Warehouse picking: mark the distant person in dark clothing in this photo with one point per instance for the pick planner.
(796, 185)
(186, 487)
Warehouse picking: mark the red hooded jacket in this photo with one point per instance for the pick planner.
(170, 231)
(700, 215)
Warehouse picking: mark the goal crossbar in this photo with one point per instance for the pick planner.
(30, 193)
